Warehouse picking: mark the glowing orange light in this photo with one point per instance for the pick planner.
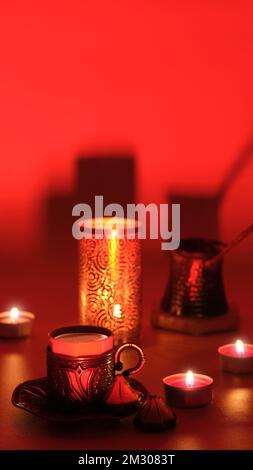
(114, 233)
(110, 278)
(189, 379)
(14, 313)
(239, 346)
(117, 311)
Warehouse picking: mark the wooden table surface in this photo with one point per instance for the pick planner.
(51, 293)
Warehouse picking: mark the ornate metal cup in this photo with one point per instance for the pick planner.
(78, 381)
(195, 290)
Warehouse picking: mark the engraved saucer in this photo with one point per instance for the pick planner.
(33, 396)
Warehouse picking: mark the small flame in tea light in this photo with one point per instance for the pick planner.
(15, 323)
(239, 346)
(14, 313)
(188, 390)
(117, 311)
(80, 340)
(189, 379)
(236, 358)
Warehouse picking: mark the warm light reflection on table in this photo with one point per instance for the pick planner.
(15, 368)
(237, 402)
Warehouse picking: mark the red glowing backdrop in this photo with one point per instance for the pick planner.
(171, 80)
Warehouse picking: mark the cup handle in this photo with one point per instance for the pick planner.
(132, 370)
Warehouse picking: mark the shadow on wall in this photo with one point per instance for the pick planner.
(200, 213)
(112, 176)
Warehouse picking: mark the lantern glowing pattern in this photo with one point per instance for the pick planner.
(110, 282)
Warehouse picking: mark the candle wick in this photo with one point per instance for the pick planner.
(189, 379)
(239, 346)
(14, 314)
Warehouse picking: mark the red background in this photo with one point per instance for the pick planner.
(172, 80)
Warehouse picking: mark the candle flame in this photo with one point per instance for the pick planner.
(189, 379)
(14, 313)
(114, 233)
(117, 312)
(239, 346)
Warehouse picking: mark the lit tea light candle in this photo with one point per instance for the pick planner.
(188, 390)
(236, 358)
(78, 341)
(16, 323)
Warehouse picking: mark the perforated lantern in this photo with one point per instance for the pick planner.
(110, 277)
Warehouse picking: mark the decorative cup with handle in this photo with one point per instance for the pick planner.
(81, 364)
